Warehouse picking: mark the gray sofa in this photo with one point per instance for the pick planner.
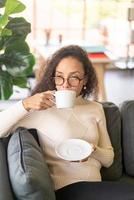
(120, 125)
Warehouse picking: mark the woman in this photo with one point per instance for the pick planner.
(68, 69)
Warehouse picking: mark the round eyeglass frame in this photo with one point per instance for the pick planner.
(69, 78)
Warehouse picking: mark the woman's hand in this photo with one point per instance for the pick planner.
(93, 147)
(39, 101)
(82, 160)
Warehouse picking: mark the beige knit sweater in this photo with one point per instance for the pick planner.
(85, 121)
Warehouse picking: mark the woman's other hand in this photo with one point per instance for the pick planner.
(93, 147)
(39, 101)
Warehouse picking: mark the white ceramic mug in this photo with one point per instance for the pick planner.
(65, 98)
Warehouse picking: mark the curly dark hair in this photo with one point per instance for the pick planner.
(76, 52)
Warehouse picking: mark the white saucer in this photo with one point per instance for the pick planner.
(74, 149)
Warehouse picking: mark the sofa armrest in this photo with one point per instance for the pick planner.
(127, 115)
(113, 121)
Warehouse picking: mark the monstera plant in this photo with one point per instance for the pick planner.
(16, 61)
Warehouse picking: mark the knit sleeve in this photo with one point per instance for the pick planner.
(10, 117)
(104, 151)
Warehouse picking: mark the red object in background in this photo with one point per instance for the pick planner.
(98, 56)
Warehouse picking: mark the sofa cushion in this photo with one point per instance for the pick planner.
(5, 187)
(113, 121)
(28, 170)
(127, 113)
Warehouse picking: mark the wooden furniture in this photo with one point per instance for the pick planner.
(100, 63)
(130, 46)
(100, 68)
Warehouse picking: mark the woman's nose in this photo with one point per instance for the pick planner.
(65, 84)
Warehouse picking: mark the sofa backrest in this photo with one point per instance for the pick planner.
(113, 120)
(127, 115)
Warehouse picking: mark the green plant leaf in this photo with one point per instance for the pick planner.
(20, 81)
(2, 3)
(6, 32)
(19, 64)
(3, 20)
(19, 26)
(14, 6)
(31, 62)
(1, 43)
(17, 47)
(9, 41)
(6, 85)
(15, 33)
(16, 61)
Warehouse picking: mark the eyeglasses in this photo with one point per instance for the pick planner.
(73, 81)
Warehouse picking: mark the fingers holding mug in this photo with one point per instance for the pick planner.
(39, 101)
(48, 99)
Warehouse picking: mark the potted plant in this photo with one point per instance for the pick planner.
(16, 61)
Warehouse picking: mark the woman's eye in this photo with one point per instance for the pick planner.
(74, 77)
(58, 77)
